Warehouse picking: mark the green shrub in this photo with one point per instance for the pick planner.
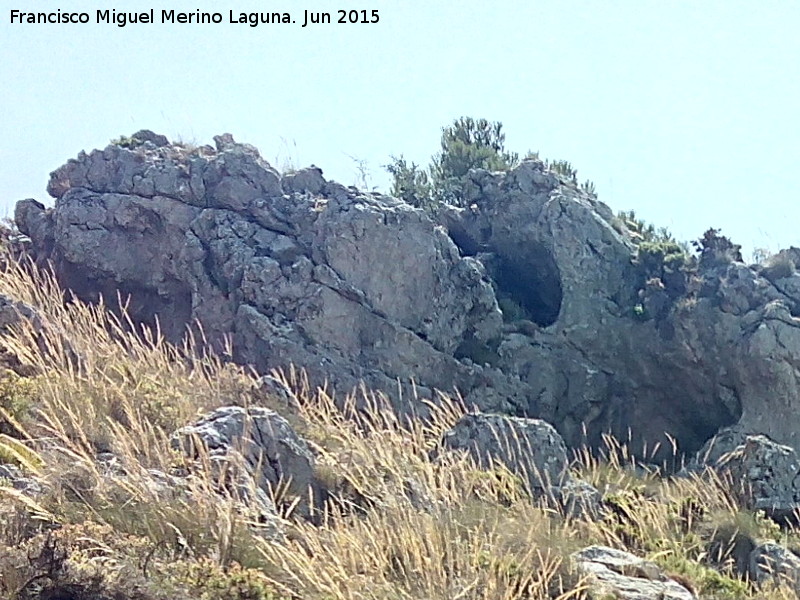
(466, 144)
(708, 582)
(125, 141)
(206, 580)
(410, 183)
(716, 249)
(655, 256)
(17, 395)
(666, 263)
(641, 231)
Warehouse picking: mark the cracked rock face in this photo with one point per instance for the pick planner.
(272, 453)
(523, 301)
(529, 448)
(619, 574)
(764, 474)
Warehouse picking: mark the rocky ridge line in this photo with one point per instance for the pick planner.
(363, 287)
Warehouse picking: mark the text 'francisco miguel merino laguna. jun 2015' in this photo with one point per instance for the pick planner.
(253, 19)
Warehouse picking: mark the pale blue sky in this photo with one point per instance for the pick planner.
(686, 111)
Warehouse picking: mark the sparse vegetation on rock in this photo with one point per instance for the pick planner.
(467, 144)
(228, 382)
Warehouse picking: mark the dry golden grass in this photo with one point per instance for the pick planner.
(401, 521)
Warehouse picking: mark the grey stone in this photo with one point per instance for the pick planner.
(579, 499)
(529, 448)
(271, 453)
(625, 576)
(304, 181)
(771, 562)
(763, 473)
(145, 135)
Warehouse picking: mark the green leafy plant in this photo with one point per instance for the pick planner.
(641, 231)
(126, 141)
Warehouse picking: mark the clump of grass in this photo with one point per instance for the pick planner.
(778, 266)
(102, 370)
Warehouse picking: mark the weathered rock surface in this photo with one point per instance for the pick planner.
(299, 270)
(529, 448)
(771, 562)
(620, 574)
(765, 474)
(524, 301)
(13, 477)
(273, 454)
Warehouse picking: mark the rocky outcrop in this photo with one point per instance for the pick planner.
(255, 445)
(528, 301)
(618, 574)
(296, 269)
(765, 475)
(773, 563)
(529, 448)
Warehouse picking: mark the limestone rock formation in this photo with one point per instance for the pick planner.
(764, 474)
(295, 270)
(273, 454)
(525, 301)
(529, 448)
(618, 574)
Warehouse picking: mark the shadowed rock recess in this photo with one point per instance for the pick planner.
(524, 301)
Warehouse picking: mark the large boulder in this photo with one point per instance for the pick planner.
(764, 474)
(273, 455)
(529, 448)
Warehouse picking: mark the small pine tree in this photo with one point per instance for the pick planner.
(410, 183)
(468, 144)
(465, 145)
(716, 249)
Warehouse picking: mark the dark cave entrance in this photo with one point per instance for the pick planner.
(528, 285)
